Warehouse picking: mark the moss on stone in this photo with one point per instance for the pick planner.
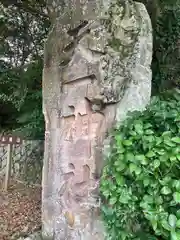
(115, 44)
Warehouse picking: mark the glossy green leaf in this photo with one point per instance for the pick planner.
(149, 132)
(176, 139)
(167, 133)
(112, 200)
(146, 182)
(150, 154)
(165, 180)
(154, 224)
(149, 138)
(178, 223)
(106, 193)
(121, 149)
(148, 198)
(119, 138)
(176, 197)
(132, 167)
(124, 198)
(166, 225)
(139, 128)
(175, 235)
(169, 143)
(133, 133)
(137, 170)
(147, 125)
(158, 141)
(107, 210)
(176, 184)
(127, 143)
(140, 157)
(178, 213)
(172, 220)
(116, 163)
(166, 190)
(130, 157)
(120, 180)
(121, 167)
(156, 163)
(172, 158)
(161, 152)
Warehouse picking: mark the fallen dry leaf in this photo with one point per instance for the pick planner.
(20, 211)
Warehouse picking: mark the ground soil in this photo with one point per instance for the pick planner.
(20, 210)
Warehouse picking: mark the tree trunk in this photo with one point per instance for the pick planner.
(96, 69)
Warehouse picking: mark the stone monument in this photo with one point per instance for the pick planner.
(96, 69)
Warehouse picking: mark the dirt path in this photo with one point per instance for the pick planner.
(20, 211)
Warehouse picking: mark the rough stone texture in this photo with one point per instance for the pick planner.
(96, 69)
(27, 161)
(34, 236)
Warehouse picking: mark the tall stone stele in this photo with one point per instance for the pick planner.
(96, 69)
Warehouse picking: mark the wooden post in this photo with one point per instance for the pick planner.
(8, 166)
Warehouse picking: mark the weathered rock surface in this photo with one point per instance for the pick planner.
(96, 69)
(34, 236)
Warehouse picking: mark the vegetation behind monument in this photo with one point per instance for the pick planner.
(23, 28)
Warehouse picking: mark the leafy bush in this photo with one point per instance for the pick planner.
(140, 185)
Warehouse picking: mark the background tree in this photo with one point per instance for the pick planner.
(23, 28)
(165, 17)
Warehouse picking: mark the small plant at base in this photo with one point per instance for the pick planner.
(140, 185)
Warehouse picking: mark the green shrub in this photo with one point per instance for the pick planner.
(140, 185)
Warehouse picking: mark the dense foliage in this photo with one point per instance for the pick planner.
(140, 185)
(23, 28)
(166, 64)
(165, 16)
